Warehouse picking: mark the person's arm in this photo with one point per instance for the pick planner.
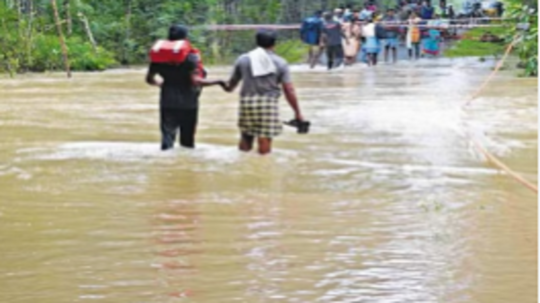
(198, 77)
(235, 79)
(151, 75)
(290, 93)
(292, 99)
(198, 80)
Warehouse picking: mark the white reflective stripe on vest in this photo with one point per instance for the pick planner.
(158, 46)
(178, 46)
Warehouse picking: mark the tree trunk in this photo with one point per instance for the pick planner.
(61, 38)
(127, 36)
(67, 9)
(88, 30)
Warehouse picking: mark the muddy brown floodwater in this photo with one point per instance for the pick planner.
(385, 201)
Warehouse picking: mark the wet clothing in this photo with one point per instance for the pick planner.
(390, 43)
(259, 106)
(332, 30)
(416, 48)
(174, 119)
(178, 90)
(335, 55)
(179, 102)
(259, 116)
(372, 45)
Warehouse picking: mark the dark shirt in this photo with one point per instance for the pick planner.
(177, 90)
(427, 12)
(391, 30)
(332, 30)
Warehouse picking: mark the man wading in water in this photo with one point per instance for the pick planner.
(262, 73)
(180, 67)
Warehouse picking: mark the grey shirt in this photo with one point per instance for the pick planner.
(262, 86)
(332, 30)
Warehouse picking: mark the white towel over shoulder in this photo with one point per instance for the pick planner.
(261, 63)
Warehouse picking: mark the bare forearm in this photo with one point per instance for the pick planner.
(198, 81)
(231, 85)
(292, 99)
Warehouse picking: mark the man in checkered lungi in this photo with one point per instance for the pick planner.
(264, 75)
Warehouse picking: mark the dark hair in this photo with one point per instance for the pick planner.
(328, 16)
(266, 38)
(318, 13)
(177, 32)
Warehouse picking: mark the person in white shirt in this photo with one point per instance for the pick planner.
(372, 43)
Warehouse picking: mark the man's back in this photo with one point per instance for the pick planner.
(177, 90)
(332, 30)
(265, 85)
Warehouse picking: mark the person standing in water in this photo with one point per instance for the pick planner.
(371, 42)
(351, 30)
(180, 89)
(391, 26)
(431, 43)
(413, 36)
(310, 34)
(264, 75)
(332, 34)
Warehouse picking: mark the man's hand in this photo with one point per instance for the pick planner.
(224, 85)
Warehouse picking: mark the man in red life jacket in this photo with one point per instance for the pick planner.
(180, 67)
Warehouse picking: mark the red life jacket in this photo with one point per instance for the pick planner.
(175, 52)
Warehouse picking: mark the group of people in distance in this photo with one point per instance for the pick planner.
(347, 33)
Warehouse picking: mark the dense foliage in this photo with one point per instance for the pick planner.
(104, 33)
(525, 12)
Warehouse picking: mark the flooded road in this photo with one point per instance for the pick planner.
(385, 201)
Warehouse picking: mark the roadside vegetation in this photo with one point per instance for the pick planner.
(526, 47)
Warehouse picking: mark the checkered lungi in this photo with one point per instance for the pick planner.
(259, 116)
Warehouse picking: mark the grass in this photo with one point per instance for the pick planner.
(472, 47)
(294, 51)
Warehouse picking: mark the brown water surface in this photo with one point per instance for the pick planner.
(385, 201)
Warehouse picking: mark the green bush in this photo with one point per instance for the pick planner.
(47, 55)
(294, 51)
(527, 43)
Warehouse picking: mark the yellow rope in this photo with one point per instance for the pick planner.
(494, 160)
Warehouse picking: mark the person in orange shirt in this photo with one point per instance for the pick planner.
(413, 36)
